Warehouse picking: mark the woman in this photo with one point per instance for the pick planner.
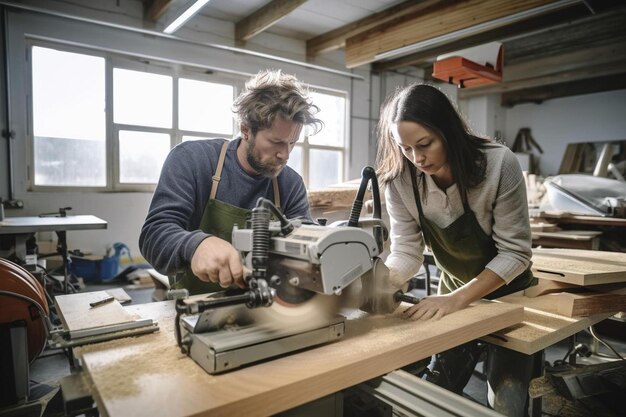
(465, 198)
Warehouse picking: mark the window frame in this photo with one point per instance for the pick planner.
(306, 146)
(176, 71)
(112, 129)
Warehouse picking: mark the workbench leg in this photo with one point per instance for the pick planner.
(538, 369)
(62, 249)
(508, 378)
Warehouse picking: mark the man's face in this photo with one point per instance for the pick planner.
(268, 151)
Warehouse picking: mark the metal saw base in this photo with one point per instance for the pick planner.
(232, 347)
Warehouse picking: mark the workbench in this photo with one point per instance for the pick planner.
(540, 329)
(21, 228)
(148, 375)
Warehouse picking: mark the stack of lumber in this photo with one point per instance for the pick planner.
(578, 282)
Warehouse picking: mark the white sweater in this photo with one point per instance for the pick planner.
(499, 203)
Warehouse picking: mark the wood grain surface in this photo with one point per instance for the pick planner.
(77, 314)
(542, 325)
(147, 375)
(580, 267)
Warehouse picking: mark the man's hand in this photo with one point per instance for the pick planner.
(216, 260)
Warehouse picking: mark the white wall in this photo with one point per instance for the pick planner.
(125, 212)
(555, 123)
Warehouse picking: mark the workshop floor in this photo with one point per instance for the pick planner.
(53, 365)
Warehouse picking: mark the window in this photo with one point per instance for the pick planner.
(103, 121)
(69, 120)
(319, 158)
(77, 143)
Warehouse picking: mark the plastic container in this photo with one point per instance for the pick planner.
(103, 269)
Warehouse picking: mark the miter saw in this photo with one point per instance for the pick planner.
(302, 274)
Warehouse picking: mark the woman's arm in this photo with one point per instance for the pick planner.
(437, 306)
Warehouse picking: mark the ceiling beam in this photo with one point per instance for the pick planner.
(539, 94)
(535, 25)
(592, 71)
(263, 18)
(157, 8)
(362, 48)
(336, 38)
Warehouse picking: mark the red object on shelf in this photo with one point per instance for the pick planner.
(465, 73)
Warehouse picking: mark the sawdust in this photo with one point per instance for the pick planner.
(122, 364)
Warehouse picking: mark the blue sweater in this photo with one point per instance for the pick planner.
(170, 234)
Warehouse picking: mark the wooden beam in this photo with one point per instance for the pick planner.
(363, 48)
(559, 76)
(157, 8)
(263, 18)
(534, 25)
(336, 38)
(574, 88)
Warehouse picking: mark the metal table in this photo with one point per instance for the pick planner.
(20, 228)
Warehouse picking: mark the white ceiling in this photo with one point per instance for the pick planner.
(312, 18)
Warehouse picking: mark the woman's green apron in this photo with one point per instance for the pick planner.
(218, 220)
(462, 250)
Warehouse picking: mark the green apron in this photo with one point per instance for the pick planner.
(462, 250)
(218, 220)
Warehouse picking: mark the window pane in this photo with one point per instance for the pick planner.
(205, 107)
(295, 159)
(333, 114)
(142, 155)
(141, 98)
(68, 118)
(325, 168)
(186, 138)
(69, 162)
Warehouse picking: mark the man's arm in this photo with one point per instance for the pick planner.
(165, 240)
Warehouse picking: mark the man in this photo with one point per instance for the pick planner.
(208, 186)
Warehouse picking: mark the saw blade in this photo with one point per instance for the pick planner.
(317, 308)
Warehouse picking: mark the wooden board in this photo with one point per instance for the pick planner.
(77, 314)
(540, 327)
(568, 234)
(547, 286)
(147, 375)
(570, 304)
(580, 267)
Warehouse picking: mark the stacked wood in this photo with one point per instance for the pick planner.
(577, 282)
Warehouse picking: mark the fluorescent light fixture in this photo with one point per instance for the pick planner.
(473, 30)
(186, 15)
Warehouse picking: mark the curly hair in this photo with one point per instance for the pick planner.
(428, 106)
(271, 93)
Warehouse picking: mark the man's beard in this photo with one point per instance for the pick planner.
(269, 170)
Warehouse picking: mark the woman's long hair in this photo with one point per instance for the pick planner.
(431, 108)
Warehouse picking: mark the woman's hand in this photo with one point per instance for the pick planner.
(434, 307)
(437, 306)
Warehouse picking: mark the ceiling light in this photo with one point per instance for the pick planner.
(473, 30)
(193, 8)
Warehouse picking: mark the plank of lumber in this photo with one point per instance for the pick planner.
(568, 234)
(363, 48)
(77, 314)
(540, 328)
(573, 304)
(137, 376)
(264, 18)
(547, 286)
(580, 267)
(336, 38)
(334, 197)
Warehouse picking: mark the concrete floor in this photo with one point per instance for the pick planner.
(52, 365)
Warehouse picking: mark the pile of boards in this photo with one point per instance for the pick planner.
(578, 282)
